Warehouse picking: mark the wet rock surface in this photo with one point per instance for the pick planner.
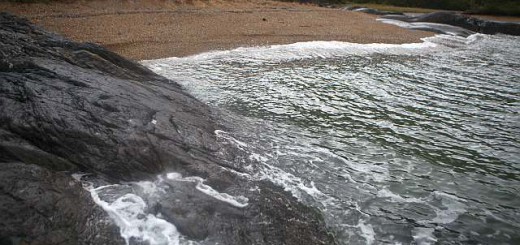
(371, 11)
(39, 206)
(67, 107)
(457, 20)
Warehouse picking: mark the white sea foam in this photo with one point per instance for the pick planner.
(367, 232)
(129, 213)
(288, 181)
(295, 51)
(150, 188)
(312, 191)
(450, 39)
(174, 175)
(258, 157)
(320, 49)
(238, 201)
(127, 206)
(423, 236)
(377, 173)
(397, 198)
(224, 135)
(475, 38)
(297, 186)
(451, 208)
(276, 175)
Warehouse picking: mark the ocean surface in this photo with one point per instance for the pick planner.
(394, 144)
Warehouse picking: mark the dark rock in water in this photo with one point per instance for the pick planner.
(67, 107)
(463, 21)
(426, 26)
(371, 11)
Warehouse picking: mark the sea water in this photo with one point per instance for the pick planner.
(399, 144)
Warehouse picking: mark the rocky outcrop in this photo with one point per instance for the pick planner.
(444, 22)
(431, 27)
(371, 11)
(68, 107)
(462, 21)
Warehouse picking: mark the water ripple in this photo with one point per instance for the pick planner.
(393, 143)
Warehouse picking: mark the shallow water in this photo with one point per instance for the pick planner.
(393, 143)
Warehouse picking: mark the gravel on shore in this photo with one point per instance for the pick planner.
(148, 29)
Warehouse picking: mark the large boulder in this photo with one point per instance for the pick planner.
(72, 106)
(67, 107)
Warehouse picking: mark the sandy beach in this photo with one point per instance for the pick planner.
(156, 29)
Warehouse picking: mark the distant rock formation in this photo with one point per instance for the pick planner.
(427, 26)
(454, 19)
(371, 11)
(67, 107)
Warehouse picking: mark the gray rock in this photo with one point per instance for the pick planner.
(86, 108)
(39, 206)
(462, 21)
(427, 26)
(67, 107)
(371, 11)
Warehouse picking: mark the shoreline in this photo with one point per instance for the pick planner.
(148, 29)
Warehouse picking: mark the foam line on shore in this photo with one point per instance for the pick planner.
(301, 50)
(317, 49)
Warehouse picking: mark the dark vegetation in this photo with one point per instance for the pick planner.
(498, 7)
(493, 7)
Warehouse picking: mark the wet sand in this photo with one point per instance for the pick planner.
(149, 29)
